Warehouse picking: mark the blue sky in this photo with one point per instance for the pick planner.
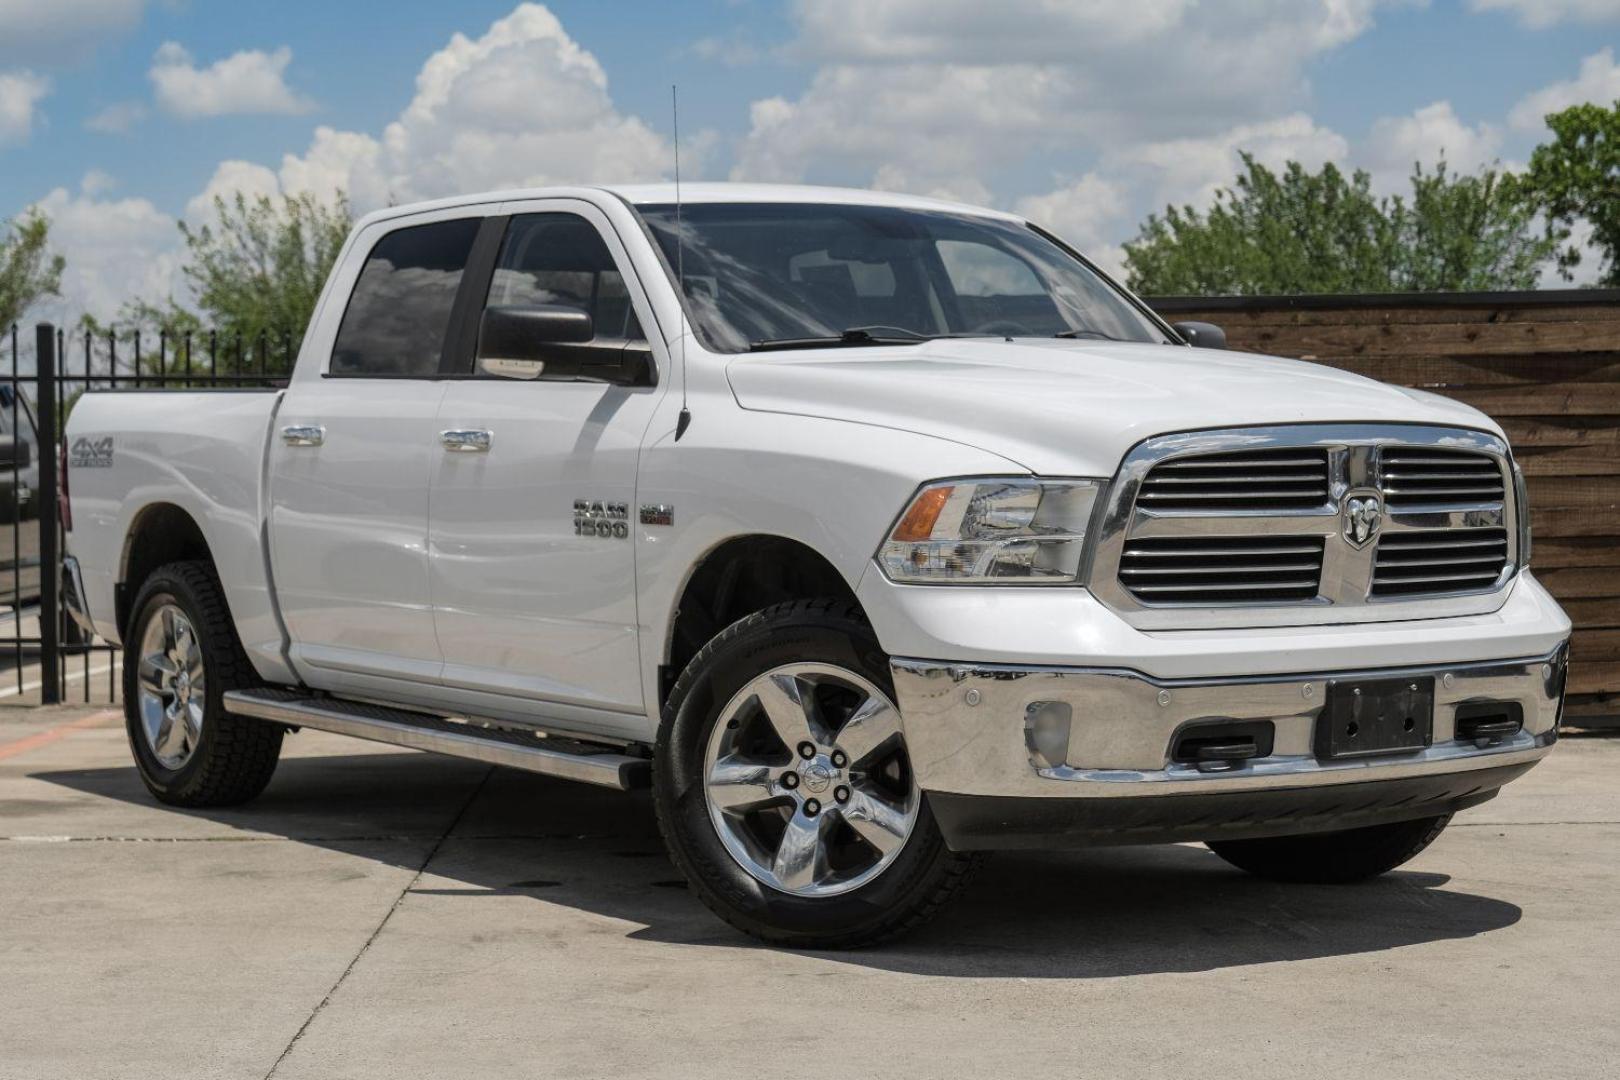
(120, 117)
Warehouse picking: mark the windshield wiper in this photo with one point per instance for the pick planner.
(855, 335)
(1098, 334)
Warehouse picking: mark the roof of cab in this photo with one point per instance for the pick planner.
(653, 194)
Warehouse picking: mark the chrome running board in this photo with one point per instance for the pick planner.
(531, 751)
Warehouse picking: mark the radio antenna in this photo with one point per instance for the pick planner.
(685, 418)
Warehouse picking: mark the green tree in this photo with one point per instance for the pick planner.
(1325, 232)
(256, 272)
(1468, 233)
(28, 268)
(1576, 176)
(261, 265)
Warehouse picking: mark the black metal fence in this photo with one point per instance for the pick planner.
(52, 659)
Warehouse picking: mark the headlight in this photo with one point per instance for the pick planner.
(1012, 531)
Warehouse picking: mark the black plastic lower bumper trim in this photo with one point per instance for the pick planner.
(984, 823)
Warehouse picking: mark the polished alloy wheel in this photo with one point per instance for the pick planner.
(807, 780)
(171, 690)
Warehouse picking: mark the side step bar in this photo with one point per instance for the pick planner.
(517, 749)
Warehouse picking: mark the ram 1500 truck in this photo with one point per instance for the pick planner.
(872, 532)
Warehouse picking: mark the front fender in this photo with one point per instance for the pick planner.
(833, 486)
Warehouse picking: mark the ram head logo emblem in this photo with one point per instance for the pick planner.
(1363, 514)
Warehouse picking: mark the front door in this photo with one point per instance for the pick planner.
(532, 556)
(350, 456)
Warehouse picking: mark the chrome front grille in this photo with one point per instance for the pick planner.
(1308, 524)
(1431, 476)
(1282, 479)
(1428, 561)
(1222, 570)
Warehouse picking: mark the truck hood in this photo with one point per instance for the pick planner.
(1071, 408)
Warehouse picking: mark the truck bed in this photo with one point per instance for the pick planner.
(202, 451)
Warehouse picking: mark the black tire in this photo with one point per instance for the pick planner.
(1333, 858)
(235, 756)
(911, 890)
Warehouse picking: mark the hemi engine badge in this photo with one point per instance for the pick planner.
(657, 514)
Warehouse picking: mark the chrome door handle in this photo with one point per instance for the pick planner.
(474, 441)
(303, 435)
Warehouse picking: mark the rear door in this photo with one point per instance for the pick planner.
(531, 539)
(349, 466)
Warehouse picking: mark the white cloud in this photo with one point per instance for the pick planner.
(1597, 82)
(97, 182)
(1433, 132)
(20, 92)
(117, 249)
(250, 81)
(1089, 213)
(118, 118)
(52, 31)
(1539, 14)
(973, 31)
(942, 92)
(230, 179)
(522, 105)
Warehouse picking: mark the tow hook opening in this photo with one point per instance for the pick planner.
(1488, 723)
(1222, 745)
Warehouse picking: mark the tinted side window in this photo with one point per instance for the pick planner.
(400, 309)
(561, 259)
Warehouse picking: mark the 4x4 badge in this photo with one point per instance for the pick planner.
(1363, 514)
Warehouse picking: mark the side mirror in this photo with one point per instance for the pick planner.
(514, 342)
(557, 343)
(1201, 335)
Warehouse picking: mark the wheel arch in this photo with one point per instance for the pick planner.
(160, 533)
(736, 577)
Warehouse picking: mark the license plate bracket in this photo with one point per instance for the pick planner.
(1373, 717)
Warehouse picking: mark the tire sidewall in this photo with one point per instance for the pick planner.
(164, 588)
(754, 646)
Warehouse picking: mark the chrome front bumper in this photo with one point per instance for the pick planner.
(985, 750)
(973, 729)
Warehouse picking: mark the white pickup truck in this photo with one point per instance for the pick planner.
(872, 532)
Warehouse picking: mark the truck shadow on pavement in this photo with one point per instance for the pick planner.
(486, 832)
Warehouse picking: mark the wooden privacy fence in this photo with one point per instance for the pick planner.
(1546, 365)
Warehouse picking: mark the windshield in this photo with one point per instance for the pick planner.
(764, 274)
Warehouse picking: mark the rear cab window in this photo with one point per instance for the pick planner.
(399, 313)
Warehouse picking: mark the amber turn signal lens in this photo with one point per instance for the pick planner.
(918, 524)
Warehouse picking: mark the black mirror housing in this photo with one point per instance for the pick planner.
(557, 343)
(1201, 335)
(522, 333)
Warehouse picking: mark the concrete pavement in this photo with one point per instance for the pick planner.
(381, 913)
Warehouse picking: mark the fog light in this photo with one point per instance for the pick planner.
(1046, 733)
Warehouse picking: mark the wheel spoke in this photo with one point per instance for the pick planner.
(191, 717)
(185, 647)
(787, 703)
(153, 671)
(871, 726)
(879, 821)
(170, 635)
(171, 735)
(801, 859)
(739, 786)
